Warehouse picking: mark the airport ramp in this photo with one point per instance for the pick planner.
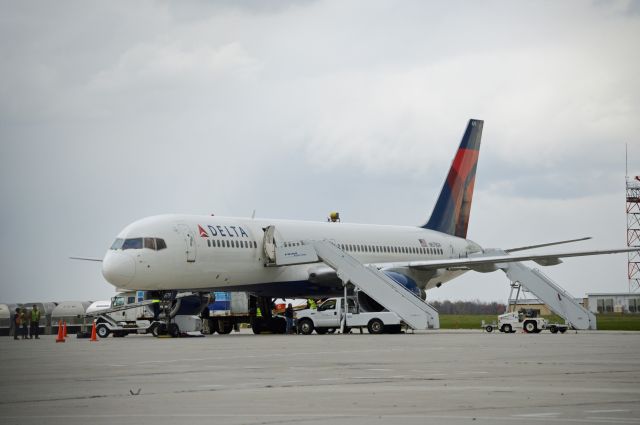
(558, 300)
(384, 290)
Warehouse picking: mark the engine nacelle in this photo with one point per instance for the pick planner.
(406, 282)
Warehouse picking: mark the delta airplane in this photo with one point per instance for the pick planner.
(201, 253)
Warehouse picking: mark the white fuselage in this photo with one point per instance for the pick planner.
(219, 253)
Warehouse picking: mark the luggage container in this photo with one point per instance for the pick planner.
(5, 320)
(71, 312)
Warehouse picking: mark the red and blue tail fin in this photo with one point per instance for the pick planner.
(451, 213)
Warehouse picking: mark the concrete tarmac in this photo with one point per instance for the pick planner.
(439, 377)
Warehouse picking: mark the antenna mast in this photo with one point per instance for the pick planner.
(633, 227)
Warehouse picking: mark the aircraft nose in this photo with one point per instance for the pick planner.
(118, 269)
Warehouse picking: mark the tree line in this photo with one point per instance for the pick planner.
(468, 307)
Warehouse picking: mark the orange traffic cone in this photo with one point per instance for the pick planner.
(60, 337)
(94, 337)
(64, 326)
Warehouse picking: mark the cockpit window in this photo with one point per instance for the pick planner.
(117, 244)
(138, 243)
(135, 243)
(150, 243)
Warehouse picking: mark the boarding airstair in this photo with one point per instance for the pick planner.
(558, 300)
(384, 290)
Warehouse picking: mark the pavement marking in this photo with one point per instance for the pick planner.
(296, 416)
(608, 411)
(380, 370)
(536, 415)
(168, 361)
(616, 420)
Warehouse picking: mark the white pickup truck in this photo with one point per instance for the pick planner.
(510, 322)
(327, 317)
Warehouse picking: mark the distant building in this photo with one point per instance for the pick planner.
(615, 302)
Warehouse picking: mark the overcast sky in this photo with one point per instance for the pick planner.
(113, 111)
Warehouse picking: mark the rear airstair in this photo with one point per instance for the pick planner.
(558, 300)
(384, 290)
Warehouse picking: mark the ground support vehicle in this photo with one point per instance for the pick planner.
(130, 313)
(554, 328)
(510, 322)
(227, 312)
(328, 317)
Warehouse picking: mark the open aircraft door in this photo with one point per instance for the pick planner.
(190, 242)
(269, 245)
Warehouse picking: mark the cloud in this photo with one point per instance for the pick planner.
(307, 107)
(152, 65)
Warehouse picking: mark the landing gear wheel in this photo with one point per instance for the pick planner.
(174, 330)
(530, 327)
(277, 325)
(224, 327)
(375, 326)
(305, 327)
(159, 329)
(102, 331)
(506, 329)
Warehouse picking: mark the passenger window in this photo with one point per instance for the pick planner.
(160, 244)
(117, 244)
(208, 243)
(134, 243)
(150, 243)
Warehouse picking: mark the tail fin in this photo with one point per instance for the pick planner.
(451, 213)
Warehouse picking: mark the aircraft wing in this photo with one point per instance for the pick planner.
(490, 259)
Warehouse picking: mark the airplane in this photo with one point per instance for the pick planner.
(204, 253)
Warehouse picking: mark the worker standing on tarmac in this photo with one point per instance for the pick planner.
(17, 328)
(35, 322)
(288, 315)
(24, 322)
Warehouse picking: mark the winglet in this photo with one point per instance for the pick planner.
(452, 210)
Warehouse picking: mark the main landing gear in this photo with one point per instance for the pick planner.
(262, 320)
(171, 304)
